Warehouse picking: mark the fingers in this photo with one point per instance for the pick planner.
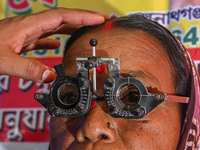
(26, 68)
(76, 16)
(30, 28)
(44, 43)
(51, 20)
(23, 33)
(67, 29)
(63, 29)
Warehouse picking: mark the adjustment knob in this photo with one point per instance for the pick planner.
(93, 42)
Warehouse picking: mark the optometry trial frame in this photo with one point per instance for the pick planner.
(125, 97)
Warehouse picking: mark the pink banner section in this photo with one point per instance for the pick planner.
(22, 118)
(24, 124)
(195, 53)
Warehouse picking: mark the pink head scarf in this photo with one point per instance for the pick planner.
(190, 129)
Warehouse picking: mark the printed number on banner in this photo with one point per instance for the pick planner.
(189, 37)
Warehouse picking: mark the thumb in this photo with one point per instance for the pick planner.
(27, 68)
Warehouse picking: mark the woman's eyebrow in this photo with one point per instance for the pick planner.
(150, 81)
(138, 74)
(126, 73)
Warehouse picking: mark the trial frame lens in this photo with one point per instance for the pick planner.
(129, 95)
(68, 94)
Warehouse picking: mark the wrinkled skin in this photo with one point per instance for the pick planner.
(143, 57)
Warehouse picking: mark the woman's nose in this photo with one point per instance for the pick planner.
(97, 125)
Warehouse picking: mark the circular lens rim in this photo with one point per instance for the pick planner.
(56, 85)
(59, 89)
(127, 107)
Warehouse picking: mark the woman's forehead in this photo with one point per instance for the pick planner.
(127, 45)
(117, 37)
(137, 51)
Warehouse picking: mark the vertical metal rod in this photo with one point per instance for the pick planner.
(94, 73)
(93, 51)
(93, 43)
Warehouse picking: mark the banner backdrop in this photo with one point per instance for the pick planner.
(23, 122)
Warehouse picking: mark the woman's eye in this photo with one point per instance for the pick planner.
(129, 95)
(68, 94)
(68, 98)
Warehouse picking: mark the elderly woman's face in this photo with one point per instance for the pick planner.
(143, 57)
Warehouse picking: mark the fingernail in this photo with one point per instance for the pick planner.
(48, 76)
(100, 20)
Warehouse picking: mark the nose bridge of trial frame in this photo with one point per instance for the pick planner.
(85, 64)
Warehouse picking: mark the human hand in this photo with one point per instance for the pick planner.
(27, 32)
